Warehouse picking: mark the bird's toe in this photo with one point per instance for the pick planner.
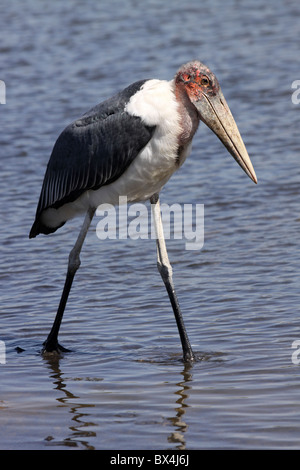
(53, 347)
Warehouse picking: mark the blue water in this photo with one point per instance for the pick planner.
(124, 385)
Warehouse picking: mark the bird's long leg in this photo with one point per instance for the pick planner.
(51, 343)
(165, 270)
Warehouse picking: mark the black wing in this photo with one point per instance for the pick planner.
(91, 152)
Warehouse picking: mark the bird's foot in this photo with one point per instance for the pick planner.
(53, 347)
(189, 357)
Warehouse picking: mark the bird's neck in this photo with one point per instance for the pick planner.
(189, 118)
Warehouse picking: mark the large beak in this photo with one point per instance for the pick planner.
(215, 113)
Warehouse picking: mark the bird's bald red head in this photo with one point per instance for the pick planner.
(197, 78)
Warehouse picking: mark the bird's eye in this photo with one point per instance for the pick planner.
(204, 81)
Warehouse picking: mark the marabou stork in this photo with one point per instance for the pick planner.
(130, 145)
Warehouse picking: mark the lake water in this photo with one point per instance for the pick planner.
(124, 385)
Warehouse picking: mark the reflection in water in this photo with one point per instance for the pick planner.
(179, 424)
(80, 429)
(79, 435)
